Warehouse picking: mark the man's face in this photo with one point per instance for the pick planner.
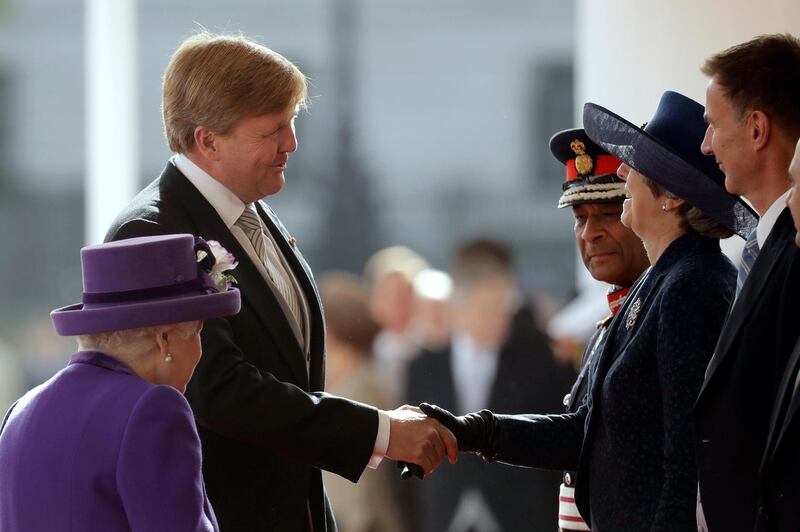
(726, 139)
(485, 309)
(253, 156)
(611, 252)
(793, 201)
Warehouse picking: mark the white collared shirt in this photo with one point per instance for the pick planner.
(474, 369)
(230, 209)
(767, 222)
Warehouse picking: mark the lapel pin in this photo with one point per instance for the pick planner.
(293, 241)
(633, 313)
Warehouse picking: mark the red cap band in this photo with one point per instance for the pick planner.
(603, 164)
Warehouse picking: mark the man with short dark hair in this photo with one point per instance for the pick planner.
(753, 125)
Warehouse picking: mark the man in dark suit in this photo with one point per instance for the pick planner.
(753, 126)
(496, 359)
(266, 426)
(780, 466)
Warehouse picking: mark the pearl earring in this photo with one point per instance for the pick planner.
(168, 358)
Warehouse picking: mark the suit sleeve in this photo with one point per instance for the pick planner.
(159, 476)
(542, 441)
(691, 313)
(234, 398)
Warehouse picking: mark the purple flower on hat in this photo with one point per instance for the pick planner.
(214, 261)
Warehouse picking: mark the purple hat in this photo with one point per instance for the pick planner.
(148, 281)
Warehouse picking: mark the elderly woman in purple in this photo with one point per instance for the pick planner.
(109, 443)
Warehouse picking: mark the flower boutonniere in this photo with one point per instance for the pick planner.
(215, 262)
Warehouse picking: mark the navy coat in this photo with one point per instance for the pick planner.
(636, 464)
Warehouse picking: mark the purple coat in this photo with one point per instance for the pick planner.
(98, 448)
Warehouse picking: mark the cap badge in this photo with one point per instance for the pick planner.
(584, 163)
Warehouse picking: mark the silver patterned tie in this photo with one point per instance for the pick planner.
(749, 255)
(251, 224)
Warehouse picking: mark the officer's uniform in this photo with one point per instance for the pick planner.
(591, 178)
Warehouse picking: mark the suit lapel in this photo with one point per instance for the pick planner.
(302, 271)
(768, 258)
(254, 289)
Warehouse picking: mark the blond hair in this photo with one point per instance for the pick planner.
(217, 80)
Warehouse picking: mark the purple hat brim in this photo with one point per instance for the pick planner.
(76, 319)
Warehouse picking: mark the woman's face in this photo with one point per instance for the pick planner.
(185, 353)
(641, 211)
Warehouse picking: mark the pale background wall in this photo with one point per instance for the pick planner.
(628, 52)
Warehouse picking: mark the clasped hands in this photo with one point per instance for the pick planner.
(425, 435)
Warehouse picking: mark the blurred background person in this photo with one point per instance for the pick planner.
(496, 358)
(431, 320)
(611, 252)
(369, 505)
(389, 275)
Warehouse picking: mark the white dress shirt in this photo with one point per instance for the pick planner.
(230, 208)
(767, 222)
(474, 369)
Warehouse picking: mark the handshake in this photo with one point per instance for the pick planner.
(419, 438)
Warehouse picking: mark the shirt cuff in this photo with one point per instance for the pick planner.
(381, 440)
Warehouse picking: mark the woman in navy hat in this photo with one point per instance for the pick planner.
(109, 443)
(631, 440)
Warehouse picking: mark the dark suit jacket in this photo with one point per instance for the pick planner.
(266, 426)
(780, 498)
(734, 407)
(636, 464)
(527, 380)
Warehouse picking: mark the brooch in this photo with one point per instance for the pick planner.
(633, 313)
(293, 241)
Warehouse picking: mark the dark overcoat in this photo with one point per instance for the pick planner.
(735, 405)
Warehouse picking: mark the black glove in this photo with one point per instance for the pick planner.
(474, 432)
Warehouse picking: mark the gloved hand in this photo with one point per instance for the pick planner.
(475, 432)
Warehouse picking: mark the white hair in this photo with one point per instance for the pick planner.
(141, 340)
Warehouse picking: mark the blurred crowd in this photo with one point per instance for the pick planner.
(466, 339)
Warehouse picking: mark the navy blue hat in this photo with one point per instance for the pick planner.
(667, 151)
(591, 171)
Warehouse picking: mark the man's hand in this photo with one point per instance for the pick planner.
(418, 439)
(475, 432)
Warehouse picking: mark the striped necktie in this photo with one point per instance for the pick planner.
(749, 255)
(250, 223)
